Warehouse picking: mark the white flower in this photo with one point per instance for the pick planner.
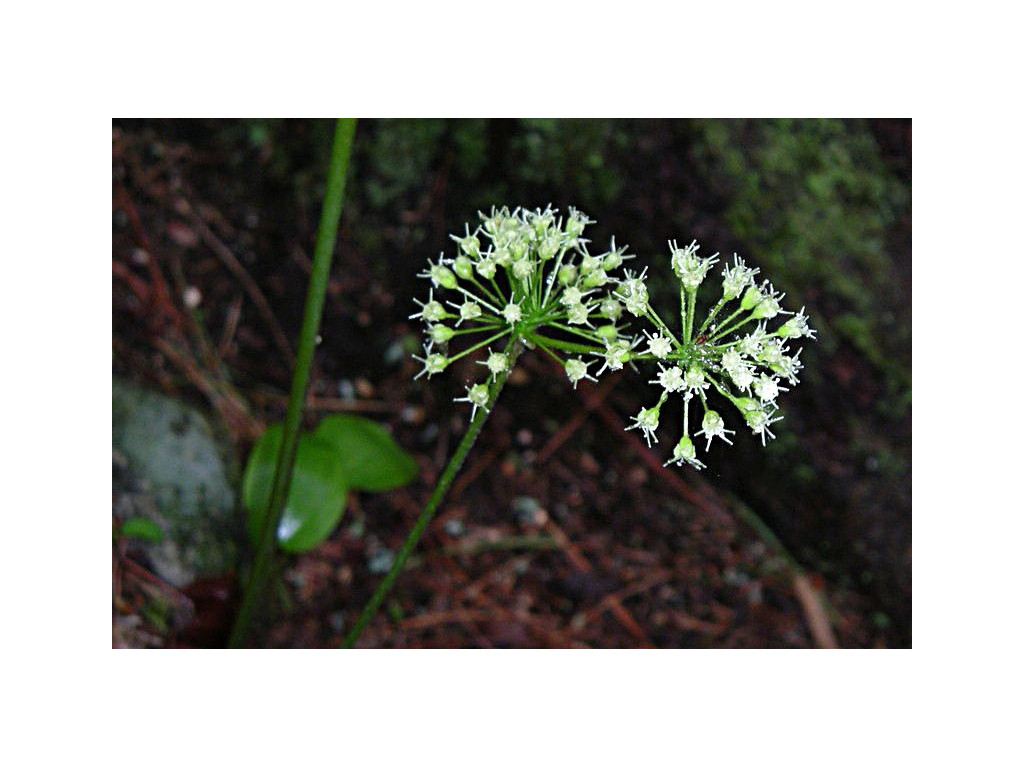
(731, 359)
(695, 380)
(787, 367)
(736, 278)
(596, 279)
(589, 263)
(576, 369)
(757, 418)
(767, 388)
(469, 245)
(659, 346)
(685, 453)
(432, 364)
(523, 268)
(714, 426)
(469, 310)
(616, 354)
(487, 267)
(572, 295)
(615, 256)
(432, 311)
(796, 327)
(742, 377)
(750, 345)
(610, 308)
(772, 352)
(633, 293)
(578, 314)
(671, 379)
(497, 362)
(512, 312)
(768, 308)
(647, 421)
(477, 395)
(690, 268)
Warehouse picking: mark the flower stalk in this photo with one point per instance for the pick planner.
(327, 232)
(476, 424)
(517, 273)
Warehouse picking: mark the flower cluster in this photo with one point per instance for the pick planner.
(517, 273)
(732, 351)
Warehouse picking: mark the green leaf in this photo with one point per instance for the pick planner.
(316, 498)
(371, 458)
(140, 528)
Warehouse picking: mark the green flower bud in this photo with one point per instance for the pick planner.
(463, 267)
(441, 333)
(444, 277)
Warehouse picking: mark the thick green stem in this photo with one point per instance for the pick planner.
(440, 491)
(341, 149)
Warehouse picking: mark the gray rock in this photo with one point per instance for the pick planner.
(170, 468)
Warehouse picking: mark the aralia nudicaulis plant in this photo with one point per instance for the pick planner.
(526, 279)
(522, 279)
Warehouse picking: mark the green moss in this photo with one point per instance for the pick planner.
(814, 201)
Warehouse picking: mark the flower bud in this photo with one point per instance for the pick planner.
(610, 308)
(751, 298)
(512, 312)
(487, 267)
(478, 394)
(575, 369)
(435, 363)
(463, 267)
(595, 279)
(434, 311)
(444, 277)
(497, 362)
(440, 334)
(469, 310)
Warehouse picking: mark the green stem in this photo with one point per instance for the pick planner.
(330, 215)
(731, 329)
(566, 346)
(691, 302)
(513, 349)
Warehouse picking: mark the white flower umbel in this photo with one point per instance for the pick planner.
(530, 277)
(731, 350)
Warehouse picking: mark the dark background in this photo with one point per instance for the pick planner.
(562, 531)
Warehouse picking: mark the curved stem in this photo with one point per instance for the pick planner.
(327, 232)
(513, 349)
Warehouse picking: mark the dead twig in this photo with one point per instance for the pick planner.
(814, 612)
(581, 563)
(608, 601)
(242, 425)
(234, 266)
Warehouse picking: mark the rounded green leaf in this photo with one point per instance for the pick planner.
(370, 457)
(316, 497)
